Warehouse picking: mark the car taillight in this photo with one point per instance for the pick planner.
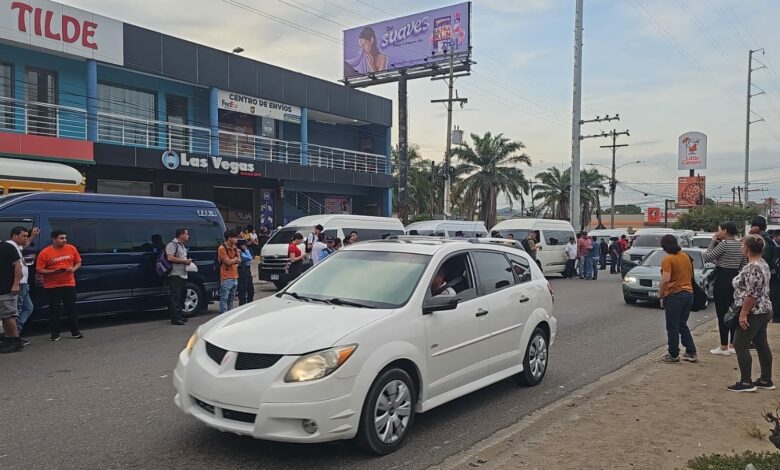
(552, 292)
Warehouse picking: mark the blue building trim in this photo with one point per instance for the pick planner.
(304, 136)
(92, 103)
(214, 119)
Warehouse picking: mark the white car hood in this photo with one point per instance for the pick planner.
(281, 326)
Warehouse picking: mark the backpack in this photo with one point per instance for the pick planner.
(163, 266)
(217, 262)
(770, 255)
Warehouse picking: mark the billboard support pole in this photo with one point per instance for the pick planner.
(403, 152)
(576, 121)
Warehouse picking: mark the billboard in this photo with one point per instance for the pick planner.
(692, 151)
(410, 41)
(690, 191)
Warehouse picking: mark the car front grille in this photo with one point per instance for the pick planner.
(646, 283)
(637, 257)
(251, 361)
(238, 416)
(270, 263)
(215, 352)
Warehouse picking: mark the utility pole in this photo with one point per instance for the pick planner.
(576, 120)
(606, 118)
(612, 181)
(447, 178)
(739, 194)
(433, 186)
(403, 151)
(748, 122)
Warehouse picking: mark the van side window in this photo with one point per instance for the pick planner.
(371, 233)
(556, 237)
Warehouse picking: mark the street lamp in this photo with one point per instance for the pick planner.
(613, 186)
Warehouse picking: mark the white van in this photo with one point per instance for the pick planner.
(273, 264)
(448, 228)
(608, 234)
(553, 236)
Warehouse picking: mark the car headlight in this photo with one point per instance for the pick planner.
(630, 280)
(191, 342)
(319, 364)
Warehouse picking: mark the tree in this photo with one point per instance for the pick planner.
(624, 209)
(552, 192)
(592, 187)
(423, 197)
(490, 166)
(707, 218)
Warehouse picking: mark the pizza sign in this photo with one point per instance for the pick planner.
(690, 191)
(692, 151)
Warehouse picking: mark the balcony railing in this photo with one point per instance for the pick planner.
(342, 159)
(257, 147)
(125, 130)
(35, 118)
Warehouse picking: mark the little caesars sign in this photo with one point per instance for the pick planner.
(258, 107)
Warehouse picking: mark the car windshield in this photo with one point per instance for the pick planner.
(377, 279)
(701, 242)
(654, 259)
(648, 241)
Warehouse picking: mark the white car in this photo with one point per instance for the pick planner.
(358, 344)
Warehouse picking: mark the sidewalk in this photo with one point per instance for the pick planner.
(646, 415)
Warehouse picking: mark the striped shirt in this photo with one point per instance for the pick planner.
(726, 254)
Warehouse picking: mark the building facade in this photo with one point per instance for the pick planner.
(144, 113)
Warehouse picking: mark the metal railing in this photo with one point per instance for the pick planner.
(330, 157)
(126, 130)
(259, 148)
(308, 205)
(36, 118)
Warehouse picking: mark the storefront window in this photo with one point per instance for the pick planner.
(237, 140)
(6, 96)
(125, 188)
(127, 115)
(236, 206)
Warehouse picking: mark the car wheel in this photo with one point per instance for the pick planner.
(629, 300)
(535, 360)
(388, 412)
(194, 300)
(280, 285)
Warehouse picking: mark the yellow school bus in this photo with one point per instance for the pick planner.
(26, 175)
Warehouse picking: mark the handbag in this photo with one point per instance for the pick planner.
(700, 299)
(731, 319)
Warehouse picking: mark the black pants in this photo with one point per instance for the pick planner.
(613, 264)
(603, 261)
(774, 296)
(178, 293)
(62, 298)
(756, 333)
(246, 287)
(569, 271)
(723, 291)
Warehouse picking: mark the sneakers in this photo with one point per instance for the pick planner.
(740, 387)
(24, 341)
(55, 337)
(768, 385)
(720, 352)
(177, 322)
(78, 335)
(11, 345)
(668, 359)
(690, 357)
(732, 351)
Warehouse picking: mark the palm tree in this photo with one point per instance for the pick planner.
(592, 187)
(552, 191)
(490, 166)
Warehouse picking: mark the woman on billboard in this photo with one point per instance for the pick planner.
(369, 59)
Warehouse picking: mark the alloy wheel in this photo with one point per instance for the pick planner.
(190, 300)
(537, 356)
(392, 410)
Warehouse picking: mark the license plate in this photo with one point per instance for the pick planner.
(652, 294)
(274, 277)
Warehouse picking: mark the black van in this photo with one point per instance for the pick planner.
(119, 239)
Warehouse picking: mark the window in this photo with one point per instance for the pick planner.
(285, 235)
(372, 234)
(517, 234)
(6, 96)
(42, 90)
(126, 115)
(458, 276)
(521, 268)
(494, 271)
(556, 237)
(6, 225)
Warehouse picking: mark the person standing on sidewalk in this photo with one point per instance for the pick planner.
(229, 260)
(758, 224)
(246, 288)
(176, 252)
(623, 243)
(10, 279)
(571, 258)
(57, 263)
(751, 297)
(676, 294)
(614, 256)
(593, 259)
(583, 249)
(20, 239)
(725, 251)
(603, 249)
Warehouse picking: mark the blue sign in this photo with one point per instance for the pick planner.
(171, 160)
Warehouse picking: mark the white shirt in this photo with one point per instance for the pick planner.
(318, 252)
(25, 270)
(571, 250)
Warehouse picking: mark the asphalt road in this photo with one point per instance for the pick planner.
(107, 401)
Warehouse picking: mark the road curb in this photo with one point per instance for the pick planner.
(494, 450)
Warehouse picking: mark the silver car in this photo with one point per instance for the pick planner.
(643, 281)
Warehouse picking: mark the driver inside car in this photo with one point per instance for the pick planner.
(439, 285)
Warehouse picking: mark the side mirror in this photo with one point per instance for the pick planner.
(440, 304)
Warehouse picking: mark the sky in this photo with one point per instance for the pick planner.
(666, 66)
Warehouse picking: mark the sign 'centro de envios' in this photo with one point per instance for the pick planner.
(62, 28)
(246, 104)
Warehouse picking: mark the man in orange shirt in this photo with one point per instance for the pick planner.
(229, 260)
(57, 263)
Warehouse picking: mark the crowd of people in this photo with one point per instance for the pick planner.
(316, 247)
(586, 256)
(745, 278)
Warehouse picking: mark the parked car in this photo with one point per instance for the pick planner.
(554, 234)
(647, 240)
(119, 239)
(701, 240)
(447, 228)
(274, 259)
(642, 282)
(360, 343)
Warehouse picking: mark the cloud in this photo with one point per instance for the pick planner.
(518, 6)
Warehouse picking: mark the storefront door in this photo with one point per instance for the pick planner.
(42, 98)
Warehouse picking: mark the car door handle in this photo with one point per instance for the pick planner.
(524, 299)
(481, 312)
